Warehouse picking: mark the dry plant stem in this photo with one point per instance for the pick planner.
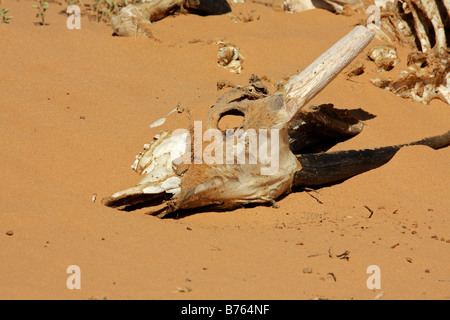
(84, 8)
(303, 87)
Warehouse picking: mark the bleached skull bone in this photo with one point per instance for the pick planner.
(230, 58)
(156, 165)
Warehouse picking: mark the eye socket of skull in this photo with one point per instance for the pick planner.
(217, 112)
(231, 119)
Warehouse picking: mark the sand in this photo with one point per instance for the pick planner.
(77, 106)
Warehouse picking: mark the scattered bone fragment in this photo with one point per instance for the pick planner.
(379, 296)
(135, 19)
(161, 121)
(385, 57)
(424, 80)
(381, 83)
(229, 57)
(418, 25)
(158, 123)
(257, 83)
(131, 21)
(225, 84)
(355, 69)
(337, 6)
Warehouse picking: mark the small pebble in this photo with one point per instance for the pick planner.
(307, 270)
(9, 233)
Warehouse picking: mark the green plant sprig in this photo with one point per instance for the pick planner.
(3, 17)
(41, 7)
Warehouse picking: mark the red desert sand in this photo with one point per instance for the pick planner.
(77, 106)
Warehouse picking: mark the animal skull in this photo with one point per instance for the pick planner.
(277, 122)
